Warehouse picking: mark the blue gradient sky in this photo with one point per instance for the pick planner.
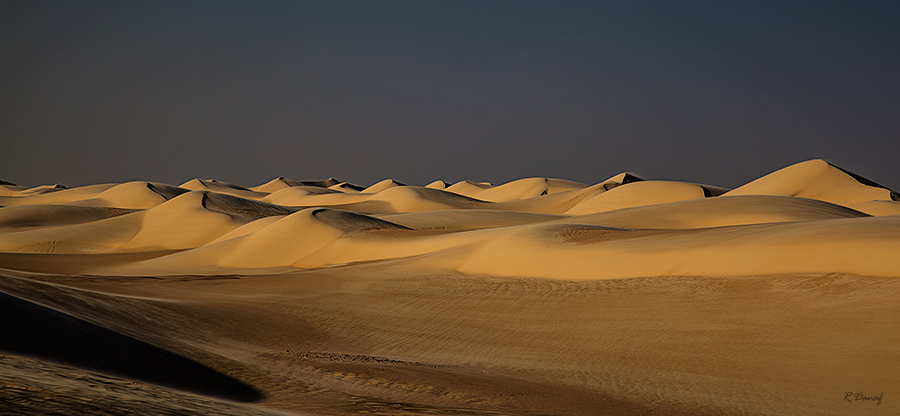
(244, 91)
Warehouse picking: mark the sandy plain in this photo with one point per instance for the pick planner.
(538, 296)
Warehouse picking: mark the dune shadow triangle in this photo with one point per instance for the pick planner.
(38, 331)
(895, 196)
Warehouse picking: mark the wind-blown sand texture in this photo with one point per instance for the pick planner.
(538, 296)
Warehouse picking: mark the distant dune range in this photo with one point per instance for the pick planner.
(537, 296)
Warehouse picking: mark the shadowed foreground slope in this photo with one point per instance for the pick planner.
(35, 330)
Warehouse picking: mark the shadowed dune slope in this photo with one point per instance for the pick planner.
(97, 236)
(35, 330)
(35, 387)
(24, 217)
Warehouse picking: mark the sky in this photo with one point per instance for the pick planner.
(419, 90)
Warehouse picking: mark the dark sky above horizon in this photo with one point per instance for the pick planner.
(245, 91)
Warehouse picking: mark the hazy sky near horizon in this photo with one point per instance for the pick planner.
(245, 91)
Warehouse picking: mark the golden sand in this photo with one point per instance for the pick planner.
(538, 296)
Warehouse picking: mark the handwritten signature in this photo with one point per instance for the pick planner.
(855, 397)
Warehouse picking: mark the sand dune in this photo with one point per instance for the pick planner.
(417, 199)
(222, 188)
(469, 219)
(537, 296)
(380, 186)
(138, 195)
(717, 212)
(515, 190)
(24, 217)
(438, 185)
(818, 179)
(638, 194)
(54, 195)
(99, 236)
(282, 182)
(276, 184)
(162, 227)
(346, 187)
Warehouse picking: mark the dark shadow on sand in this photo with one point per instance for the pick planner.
(31, 329)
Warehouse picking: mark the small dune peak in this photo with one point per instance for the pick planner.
(324, 183)
(330, 182)
(229, 185)
(198, 184)
(43, 189)
(712, 190)
(469, 188)
(223, 188)
(438, 185)
(2, 182)
(346, 187)
(166, 191)
(276, 184)
(620, 179)
(194, 184)
(380, 186)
